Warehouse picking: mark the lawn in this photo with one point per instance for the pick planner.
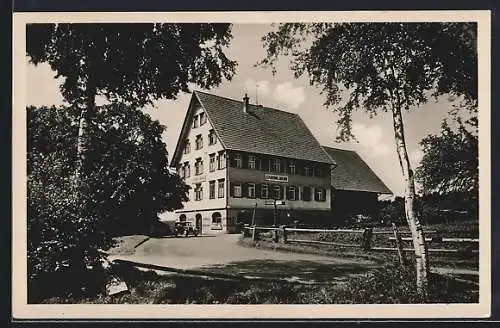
(385, 285)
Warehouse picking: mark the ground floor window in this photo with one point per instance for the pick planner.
(320, 195)
(182, 217)
(264, 191)
(251, 190)
(216, 221)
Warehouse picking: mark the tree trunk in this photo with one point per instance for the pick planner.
(83, 133)
(411, 215)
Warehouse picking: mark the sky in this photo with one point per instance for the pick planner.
(375, 136)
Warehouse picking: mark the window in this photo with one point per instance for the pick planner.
(320, 195)
(277, 165)
(212, 162)
(182, 217)
(251, 162)
(237, 192)
(292, 193)
(199, 141)
(251, 190)
(187, 147)
(318, 172)
(203, 119)
(222, 161)
(211, 189)
(307, 171)
(221, 189)
(216, 221)
(198, 192)
(264, 191)
(277, 192)
(198, 166)
(186, 170)
(195, 121)
(212, 138)
(238, 161)
(306, 194)
(291, 167)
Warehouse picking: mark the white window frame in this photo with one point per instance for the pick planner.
(320, 193)
(221, 188)
(277, 165)
(237, 186)
(292, 168)
(251, 187)
(294, 192)
(211, 165)
(221, 163)
(238, 159)
(307, 171)
(251, 162)
(264, 187)
(198, 192)
(212, 137)
(277, 190)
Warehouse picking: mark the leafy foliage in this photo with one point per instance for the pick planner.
(131, 63)
(378, 65)
(128, 184)
(450, 163)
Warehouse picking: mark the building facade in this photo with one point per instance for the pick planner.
(238, 157)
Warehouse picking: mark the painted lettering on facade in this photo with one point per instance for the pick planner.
(276, 178)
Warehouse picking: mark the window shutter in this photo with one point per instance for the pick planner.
(282, 192)
(244, 189)
(265, 163)
(283, 166)
(257, 190)
(244, 160)
(231, 189)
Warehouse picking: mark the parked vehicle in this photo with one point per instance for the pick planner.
(185, 229)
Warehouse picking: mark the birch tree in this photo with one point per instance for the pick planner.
(382, 67)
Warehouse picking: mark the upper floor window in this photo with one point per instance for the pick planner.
(199, 166)
(211, 189)
(199, 141)
(195, 121)
(320, 195)
(238, 161)
(222, 161)
(292, 193)
(187, 147)
(221, 188)
(237, 190)
(277, 192)
(318, 171)
(251, 190)
(186, 170)
(198, 192)
(203, 118)
(277, 165)
(251, 162)
(264, 191)
(307, 171)
(212, 138)
(212, 162)
(291, 167)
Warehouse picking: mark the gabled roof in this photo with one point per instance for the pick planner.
(353, 174)
(260, 130)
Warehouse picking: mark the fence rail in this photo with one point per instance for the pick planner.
(282, 233)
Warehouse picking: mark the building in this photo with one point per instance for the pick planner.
(355, 187)
(237, 157)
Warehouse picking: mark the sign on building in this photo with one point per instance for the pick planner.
(276, 178)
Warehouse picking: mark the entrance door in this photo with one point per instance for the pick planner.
(199, 223)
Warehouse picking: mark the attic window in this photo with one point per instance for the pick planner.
(212, 138)
(203, 118)
(199, 142)
(195, 121)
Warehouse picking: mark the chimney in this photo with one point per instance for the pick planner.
(245, 103)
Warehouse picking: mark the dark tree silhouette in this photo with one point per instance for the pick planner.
(382, 67)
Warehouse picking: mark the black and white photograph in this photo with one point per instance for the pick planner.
(199, 162)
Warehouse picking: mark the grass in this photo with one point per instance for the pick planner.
(389, 285)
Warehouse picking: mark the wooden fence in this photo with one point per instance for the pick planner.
(284, 234)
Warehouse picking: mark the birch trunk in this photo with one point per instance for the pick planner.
(83, 133)
(411, 214)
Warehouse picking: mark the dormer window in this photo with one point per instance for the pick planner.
(199, 141)
(212, 138)
(203, 118)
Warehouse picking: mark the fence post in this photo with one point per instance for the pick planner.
(399, 245)
(254, 233)
(276, 234)
(285, 236)
(367, 239)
